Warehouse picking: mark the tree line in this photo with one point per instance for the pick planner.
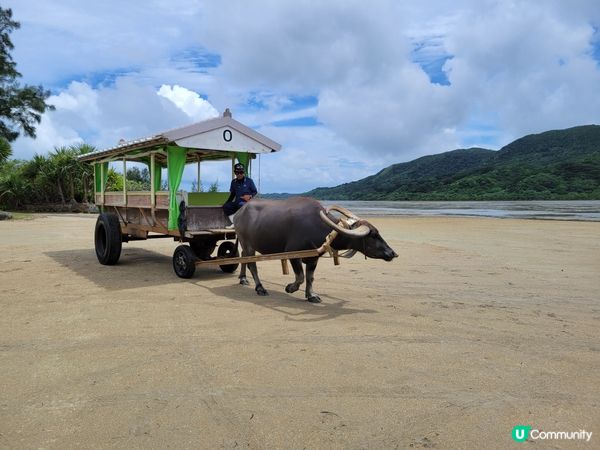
(58, 177)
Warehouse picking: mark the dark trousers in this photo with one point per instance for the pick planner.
(231, 207)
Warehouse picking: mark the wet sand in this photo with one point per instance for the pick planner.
(479, 325)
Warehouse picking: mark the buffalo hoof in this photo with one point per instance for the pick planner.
(261, 291)
(244, 281)
(292, 287)
(314, 299)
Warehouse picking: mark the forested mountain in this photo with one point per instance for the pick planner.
(558, 164)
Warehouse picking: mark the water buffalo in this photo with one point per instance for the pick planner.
(300, 223)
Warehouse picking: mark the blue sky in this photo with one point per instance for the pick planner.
(347, 87)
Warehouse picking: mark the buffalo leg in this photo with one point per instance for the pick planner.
(311, 265)
(245, 252)
(260, 290)
(243, 279)
(299, 272)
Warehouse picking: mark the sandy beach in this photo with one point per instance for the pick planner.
(479, 325)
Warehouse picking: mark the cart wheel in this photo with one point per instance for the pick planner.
(107, 239)
(203, 248)
(184, 261)
(228, 249)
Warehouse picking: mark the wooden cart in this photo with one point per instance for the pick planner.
(195, 219)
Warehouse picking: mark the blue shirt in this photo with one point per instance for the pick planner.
(242, 187)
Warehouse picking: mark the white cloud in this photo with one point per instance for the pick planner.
(311, 157)
(516, 67)
(189, 102)
(102, 117)
(527, 65)
(62, 37)
(50, 134)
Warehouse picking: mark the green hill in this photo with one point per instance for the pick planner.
(558, 164)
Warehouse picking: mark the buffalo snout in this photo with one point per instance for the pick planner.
(390, 254)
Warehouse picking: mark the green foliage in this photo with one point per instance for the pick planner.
(213, 187)
(560, 164)
(114, 181)
(137, 180)
(5, 150)
(56, 178)
(21, 107)
(14, 187)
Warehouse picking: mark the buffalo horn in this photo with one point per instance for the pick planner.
(361, 231)
(344, 211)
(348, 253)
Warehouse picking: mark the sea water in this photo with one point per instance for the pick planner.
(588, 210)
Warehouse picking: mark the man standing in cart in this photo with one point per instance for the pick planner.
(242, 190)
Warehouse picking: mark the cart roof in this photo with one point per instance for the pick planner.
(209, 139)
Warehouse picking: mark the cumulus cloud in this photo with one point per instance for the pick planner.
(102, 117)
(189, 102)
(508, 68)
(50, 134)
(301, 46)
(311, 157)
(518, 66)
(527, 65)
(60, 38)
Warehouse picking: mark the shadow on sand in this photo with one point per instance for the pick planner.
(136, 268)
(293, 306)
(139, 268)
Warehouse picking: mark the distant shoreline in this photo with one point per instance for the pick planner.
(564, 210)
(577, 210)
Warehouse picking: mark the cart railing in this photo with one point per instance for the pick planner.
(134, 199)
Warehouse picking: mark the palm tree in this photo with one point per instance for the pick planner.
(40, 171)
(56, 171)
(64, 167)
(15, 190)
(84, 171)
(5, 150)
(47, 178)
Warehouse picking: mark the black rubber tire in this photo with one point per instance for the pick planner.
(184, 261)
(107, 239)
(228, 249)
